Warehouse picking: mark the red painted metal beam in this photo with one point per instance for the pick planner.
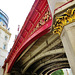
(31, 21)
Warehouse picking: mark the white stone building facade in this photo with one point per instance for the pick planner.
(4, 39)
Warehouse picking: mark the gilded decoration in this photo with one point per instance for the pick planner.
(65, 19)
(42, 22)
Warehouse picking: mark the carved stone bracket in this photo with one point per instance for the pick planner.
(65, 19)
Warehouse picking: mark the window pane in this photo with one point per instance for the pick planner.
(6, 38)
(4, 46)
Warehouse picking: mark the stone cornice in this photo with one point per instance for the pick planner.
(4, 50)
(5, 30)
(64, 7)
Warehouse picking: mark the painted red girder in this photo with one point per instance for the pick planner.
(32, 29)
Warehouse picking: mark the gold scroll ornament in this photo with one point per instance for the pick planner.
(65, 19)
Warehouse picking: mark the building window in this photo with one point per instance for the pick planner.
(6, 37)
(4, 46)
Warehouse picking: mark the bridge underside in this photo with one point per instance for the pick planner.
(36, 55)
(43, 56)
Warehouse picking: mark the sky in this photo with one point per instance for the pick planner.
(17, 11)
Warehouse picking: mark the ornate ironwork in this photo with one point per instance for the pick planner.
(43, 21)
(65, 19)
